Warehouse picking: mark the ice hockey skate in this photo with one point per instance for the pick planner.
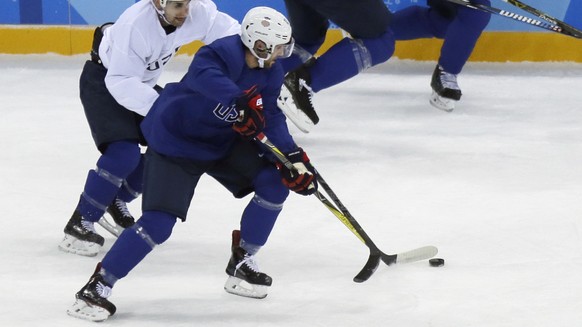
(446, 91)
(296, 98)
(245, 279)
(120, 218)
(91, 301)
(287, 105)
(81, 237)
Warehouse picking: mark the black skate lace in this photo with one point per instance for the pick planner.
(249, 260)
(122, 207)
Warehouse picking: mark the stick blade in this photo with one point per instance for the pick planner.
(369, 268)
(423, 253)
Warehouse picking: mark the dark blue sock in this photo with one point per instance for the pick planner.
(116, 163)
(261, 213)
(99, 192)
(133, 184)
(137, 241)
(461, 37)
(353, 56)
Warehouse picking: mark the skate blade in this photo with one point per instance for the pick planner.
(112, 228)
(72, 245)
(299, 118)
(444, 104)
(83, 310)
(240, 287)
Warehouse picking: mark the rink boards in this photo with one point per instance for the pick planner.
(65, 27)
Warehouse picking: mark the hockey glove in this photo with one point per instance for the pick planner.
(301, 179)
(250, 120)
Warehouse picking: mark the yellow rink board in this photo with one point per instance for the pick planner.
(492, 46)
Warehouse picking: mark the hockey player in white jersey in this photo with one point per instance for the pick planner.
(117, 89)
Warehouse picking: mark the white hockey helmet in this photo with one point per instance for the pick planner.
(163, 3)
(271, 28)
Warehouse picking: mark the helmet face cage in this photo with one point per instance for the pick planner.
(265, 31)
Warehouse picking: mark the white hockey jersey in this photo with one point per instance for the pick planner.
(135, 49)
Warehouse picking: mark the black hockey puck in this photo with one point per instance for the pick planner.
(436, 262)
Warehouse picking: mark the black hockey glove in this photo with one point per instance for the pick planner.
(301, 179)
(250, 120)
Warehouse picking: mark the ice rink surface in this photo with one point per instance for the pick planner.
(496, 185)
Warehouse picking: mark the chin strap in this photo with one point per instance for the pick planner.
(161, 13)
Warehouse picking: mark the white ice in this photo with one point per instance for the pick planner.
(496, 185)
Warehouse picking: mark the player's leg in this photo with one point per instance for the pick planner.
(130, 190)
(417, 22)
(101, 187)
(257, 222)
(261, 213)
(95, 96)
(461, 36)
(168, 190)
(459, 41)
(309, 31)
(116, 134)
(372, 43)
(242, 173)
(134, 243)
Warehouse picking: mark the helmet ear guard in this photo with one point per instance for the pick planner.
(271, 28)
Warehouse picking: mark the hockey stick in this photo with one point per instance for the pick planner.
(554, 25)
(567, 29)
(350, 222)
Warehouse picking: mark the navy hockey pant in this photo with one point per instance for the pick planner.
(169, 188)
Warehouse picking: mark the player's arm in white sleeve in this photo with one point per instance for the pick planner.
(219, 24)
(125, 73)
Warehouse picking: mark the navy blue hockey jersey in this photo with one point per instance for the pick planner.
(193, 118)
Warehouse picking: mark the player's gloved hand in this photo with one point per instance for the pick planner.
(250, 120)
(301, 179)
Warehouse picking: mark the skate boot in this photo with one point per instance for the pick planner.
(121, 216)
(296, 98)
(81, 237)
(91, 301)
(446, 91)
(245, 279)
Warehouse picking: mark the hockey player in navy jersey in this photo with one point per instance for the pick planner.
(206, 124)
(118, 87)
(373, 30)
